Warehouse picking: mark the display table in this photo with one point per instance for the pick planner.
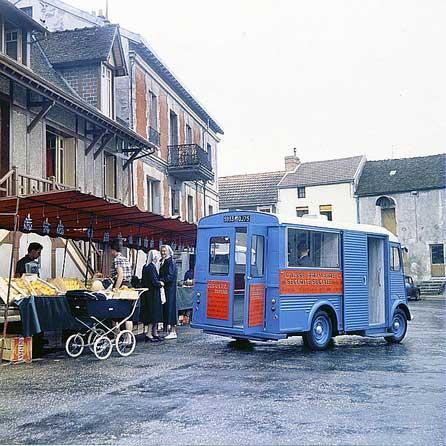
(40, 314)
(185, 296)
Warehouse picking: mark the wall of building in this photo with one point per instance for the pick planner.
(421, 221)
(85, 81)
(339, 196)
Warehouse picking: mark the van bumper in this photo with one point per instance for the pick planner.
(238, 333)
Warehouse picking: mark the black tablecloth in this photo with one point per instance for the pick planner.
(185, 298)
(40, 314)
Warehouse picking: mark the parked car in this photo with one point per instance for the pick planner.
(412, 291)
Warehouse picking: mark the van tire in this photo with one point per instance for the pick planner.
(399, 327)
(320, 333)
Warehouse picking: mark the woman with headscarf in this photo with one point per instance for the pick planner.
(168, 275)
(152, 311)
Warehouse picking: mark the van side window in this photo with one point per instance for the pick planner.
(312, 249)
(219, 256)
(257, 255)
(395, 259)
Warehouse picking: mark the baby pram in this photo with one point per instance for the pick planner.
(95, 313)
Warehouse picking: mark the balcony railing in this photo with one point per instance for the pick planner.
(154, 136)
(189, 162)
(13, 184)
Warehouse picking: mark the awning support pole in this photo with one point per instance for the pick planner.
(65, 257)
(11, 263)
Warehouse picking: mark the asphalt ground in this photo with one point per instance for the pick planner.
(202, 389)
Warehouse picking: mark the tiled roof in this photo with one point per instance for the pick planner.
(403, 175)
(317, 173)
(248, 190)
(41, 66)
(79, 45)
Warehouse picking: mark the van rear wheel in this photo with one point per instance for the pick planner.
(399, 327)
(321, 332)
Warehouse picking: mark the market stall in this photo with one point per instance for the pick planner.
(73, 215)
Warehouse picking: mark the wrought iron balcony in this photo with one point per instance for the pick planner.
(154, 136)
(189, 162)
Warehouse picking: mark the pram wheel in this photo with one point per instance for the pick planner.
(102, 347)
(75, 345)
(125, 343)
(93, 336)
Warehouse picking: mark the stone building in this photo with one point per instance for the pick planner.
(408, 197)
(180, 178)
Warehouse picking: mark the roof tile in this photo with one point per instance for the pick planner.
(317, 173)
(424, 172)
(249, 190)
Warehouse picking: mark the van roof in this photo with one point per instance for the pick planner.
(283, 219)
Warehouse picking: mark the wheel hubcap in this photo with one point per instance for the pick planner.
(321, 330)
(398, 325)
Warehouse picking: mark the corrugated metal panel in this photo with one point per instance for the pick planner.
(306, 303)
(356, 299)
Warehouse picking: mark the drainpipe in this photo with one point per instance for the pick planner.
(131, 123)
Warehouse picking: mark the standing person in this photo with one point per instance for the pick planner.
(121, 271)
(28, 263)
(168, 275)
(152, 309)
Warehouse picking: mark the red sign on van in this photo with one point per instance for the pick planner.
(310, 282)
(218, 300)
(256, 304)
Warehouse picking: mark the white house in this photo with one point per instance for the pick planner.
(322, 188)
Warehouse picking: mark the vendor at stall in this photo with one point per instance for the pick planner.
(121, 270)
(29, 263)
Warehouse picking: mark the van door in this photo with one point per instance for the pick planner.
(356, 291)
(219, 245)
(254, 305)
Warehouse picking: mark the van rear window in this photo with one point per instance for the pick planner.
(219, 256)
(312, 249)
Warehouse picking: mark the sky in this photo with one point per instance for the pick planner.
(331, 78)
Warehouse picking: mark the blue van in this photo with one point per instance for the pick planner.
(259, 276)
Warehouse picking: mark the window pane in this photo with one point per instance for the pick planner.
(395, 266)
(219, 255)
(311, 249)
(257, 258)
(437, 254)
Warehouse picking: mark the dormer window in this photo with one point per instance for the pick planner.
(12, 43)
(107, 104)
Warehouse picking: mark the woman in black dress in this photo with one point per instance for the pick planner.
(152, 311)
(168, 275)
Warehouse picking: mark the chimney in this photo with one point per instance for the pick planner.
(291, 162)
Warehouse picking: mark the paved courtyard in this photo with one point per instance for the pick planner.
(203, 389)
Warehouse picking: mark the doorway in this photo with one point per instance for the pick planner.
(376, 281)
(437, 260)
(239, 277)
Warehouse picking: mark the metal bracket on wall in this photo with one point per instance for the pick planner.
(46, 107)
(105, 139)
(94, 142)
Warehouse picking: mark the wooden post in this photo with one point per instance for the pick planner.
(11, 264)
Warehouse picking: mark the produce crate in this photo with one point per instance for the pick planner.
(17, 348)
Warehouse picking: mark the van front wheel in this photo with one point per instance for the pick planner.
(321, 332)
(399, 327)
